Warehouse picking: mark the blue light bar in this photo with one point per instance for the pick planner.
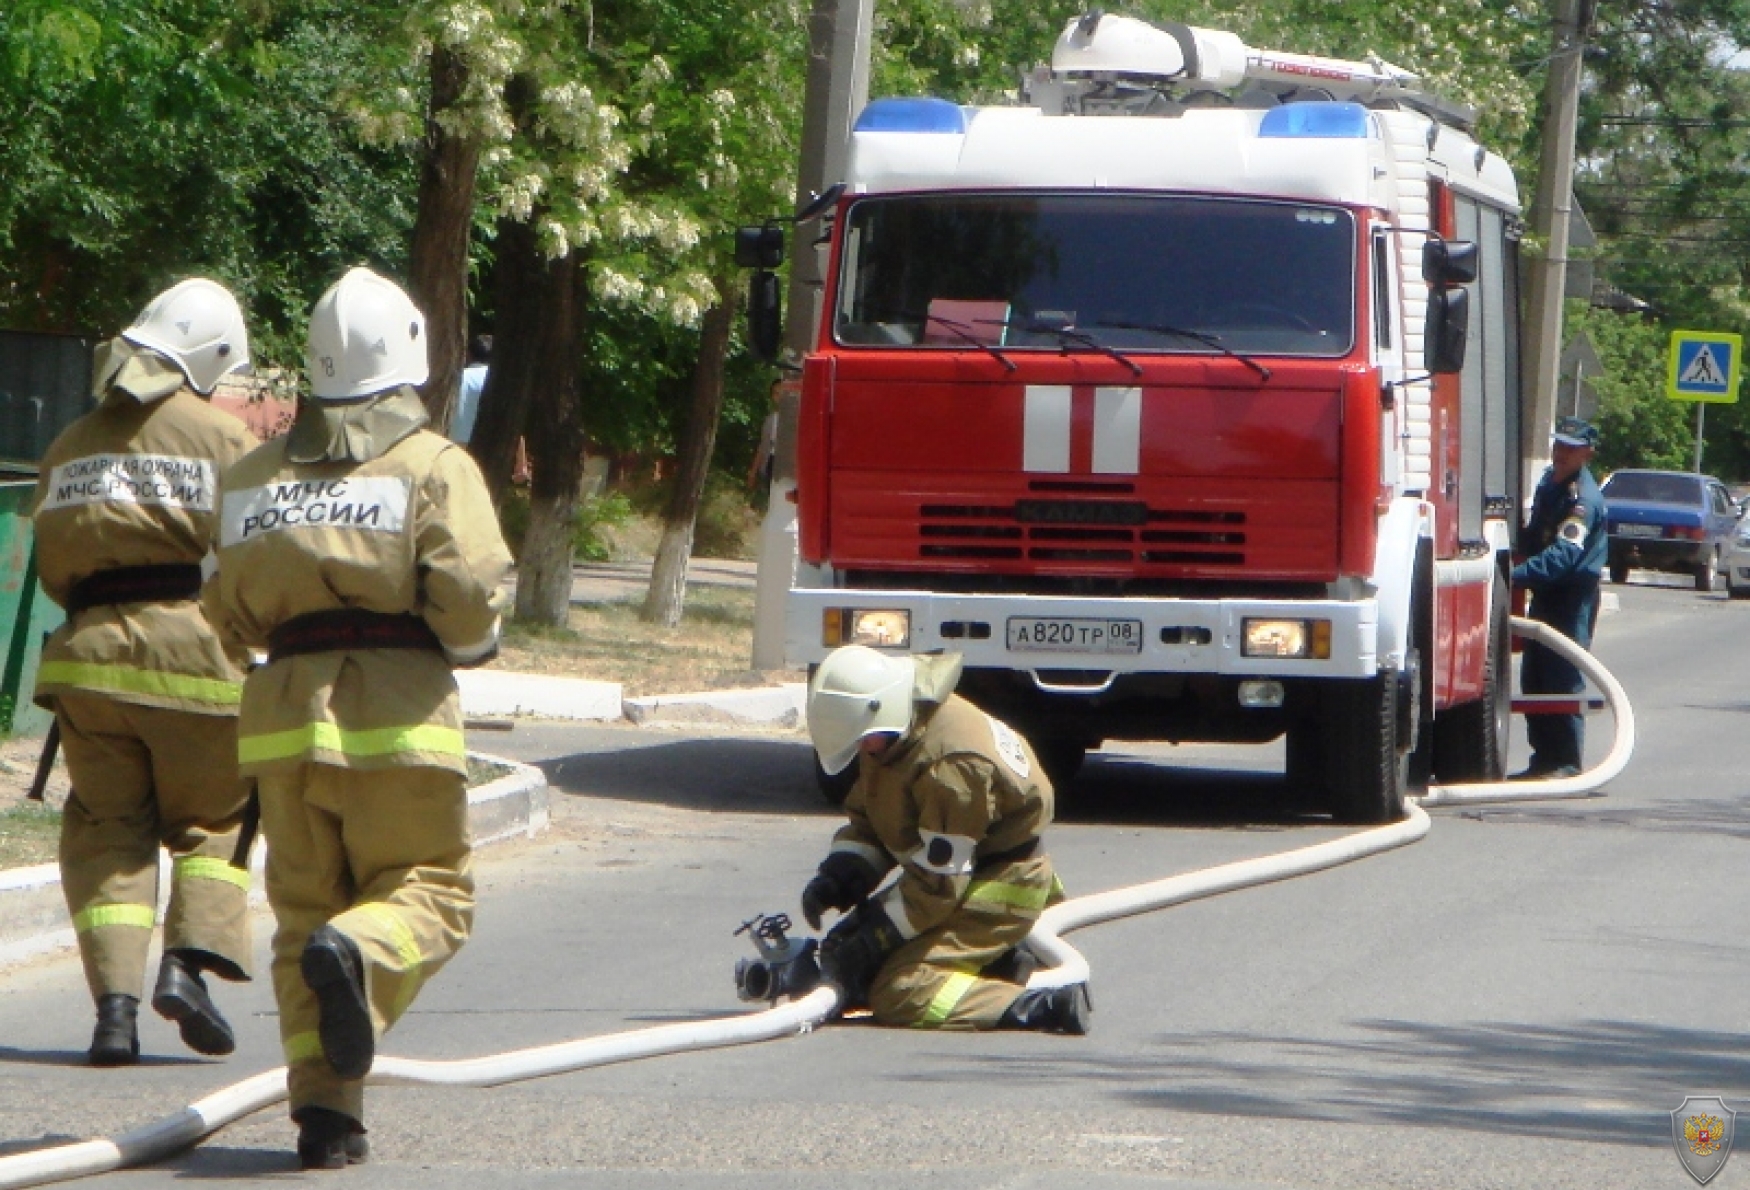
(1316, 120)
(911, 115)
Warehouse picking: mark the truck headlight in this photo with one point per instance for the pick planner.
(1286, 638)
(881, 628)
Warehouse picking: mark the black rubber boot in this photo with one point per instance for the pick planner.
(329, 1139)
(335, 971)
(116, 1040)
(1016, 966)
(1053, 1010)
(181, 996)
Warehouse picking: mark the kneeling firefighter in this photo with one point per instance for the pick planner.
(144, 692)
(362, 551)
(956, 800)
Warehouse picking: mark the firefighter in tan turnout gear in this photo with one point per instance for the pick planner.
(362, 552)
(956, 801)
(144, 695)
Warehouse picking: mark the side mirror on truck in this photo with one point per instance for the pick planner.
(765, 316)
(759, 247)
(1445, 332)
(1447, 264)
(762, 248)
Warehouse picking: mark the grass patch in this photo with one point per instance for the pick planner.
(29, 834)
(482, 772)
(607, 642)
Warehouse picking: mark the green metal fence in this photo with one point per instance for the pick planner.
(27, 615)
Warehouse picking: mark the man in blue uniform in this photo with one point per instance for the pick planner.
(1562, 550)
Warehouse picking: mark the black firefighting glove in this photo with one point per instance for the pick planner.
(840, 882)
(852, 952)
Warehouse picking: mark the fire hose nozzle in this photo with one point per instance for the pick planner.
(786, 967)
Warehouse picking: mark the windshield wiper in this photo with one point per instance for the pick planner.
(1203, 337)
(959, 330)
(1076, 335)
(964, 333)
(1067, 332)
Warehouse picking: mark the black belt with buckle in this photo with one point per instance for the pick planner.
(349, 628)
(135, 584)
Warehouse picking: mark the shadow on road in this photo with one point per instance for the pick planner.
(775, 776)
(1516, 1079)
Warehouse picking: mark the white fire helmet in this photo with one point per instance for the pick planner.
(366, 337)
(197, 325)
(857, 692)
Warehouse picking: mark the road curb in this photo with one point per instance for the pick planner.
(771, 706)
(487, 692)
(33, 915)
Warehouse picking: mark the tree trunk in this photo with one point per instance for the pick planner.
(438, 263)
(668, 576)
(554, 420)
(521, 298)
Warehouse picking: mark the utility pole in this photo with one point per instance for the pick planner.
(1550, 216)
(837, 90)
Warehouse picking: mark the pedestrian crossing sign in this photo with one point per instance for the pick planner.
(1704, 366)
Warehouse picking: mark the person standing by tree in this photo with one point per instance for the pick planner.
(144, 693)
(468, 394)
(363, 552)
(1563, 546)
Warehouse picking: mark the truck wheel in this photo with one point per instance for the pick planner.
(1470, 740)
(1707, 572)
(1304, 759)
(835, 787)
(1365, 770)
(1619, 573)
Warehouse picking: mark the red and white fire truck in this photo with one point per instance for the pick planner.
(1182, 399)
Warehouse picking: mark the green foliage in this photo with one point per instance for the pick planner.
(589, 540)
(727, 524)
(610, 510)
(148, 140)
(1639, 425)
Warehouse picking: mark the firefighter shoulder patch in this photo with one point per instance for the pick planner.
(1011, 748)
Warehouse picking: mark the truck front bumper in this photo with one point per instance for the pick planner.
(1042, 634)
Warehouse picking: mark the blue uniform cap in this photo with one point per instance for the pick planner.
(1571, 431)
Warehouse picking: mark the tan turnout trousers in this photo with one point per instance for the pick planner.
(383, 856)
(144, 777)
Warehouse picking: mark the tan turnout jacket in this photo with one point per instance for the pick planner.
(133, 484)
(410, 531)
(949, 802)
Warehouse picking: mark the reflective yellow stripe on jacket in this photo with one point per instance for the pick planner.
(329, 737)
(126, 679)
(999, 892)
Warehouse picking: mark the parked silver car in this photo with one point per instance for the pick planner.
(1737, 561)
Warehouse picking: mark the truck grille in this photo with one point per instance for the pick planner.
(1089, 530)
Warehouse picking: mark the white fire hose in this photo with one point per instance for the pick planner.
(153, 1142)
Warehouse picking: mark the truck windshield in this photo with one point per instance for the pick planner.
(1140, 273)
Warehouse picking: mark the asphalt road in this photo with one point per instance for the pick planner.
(1520, 999)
